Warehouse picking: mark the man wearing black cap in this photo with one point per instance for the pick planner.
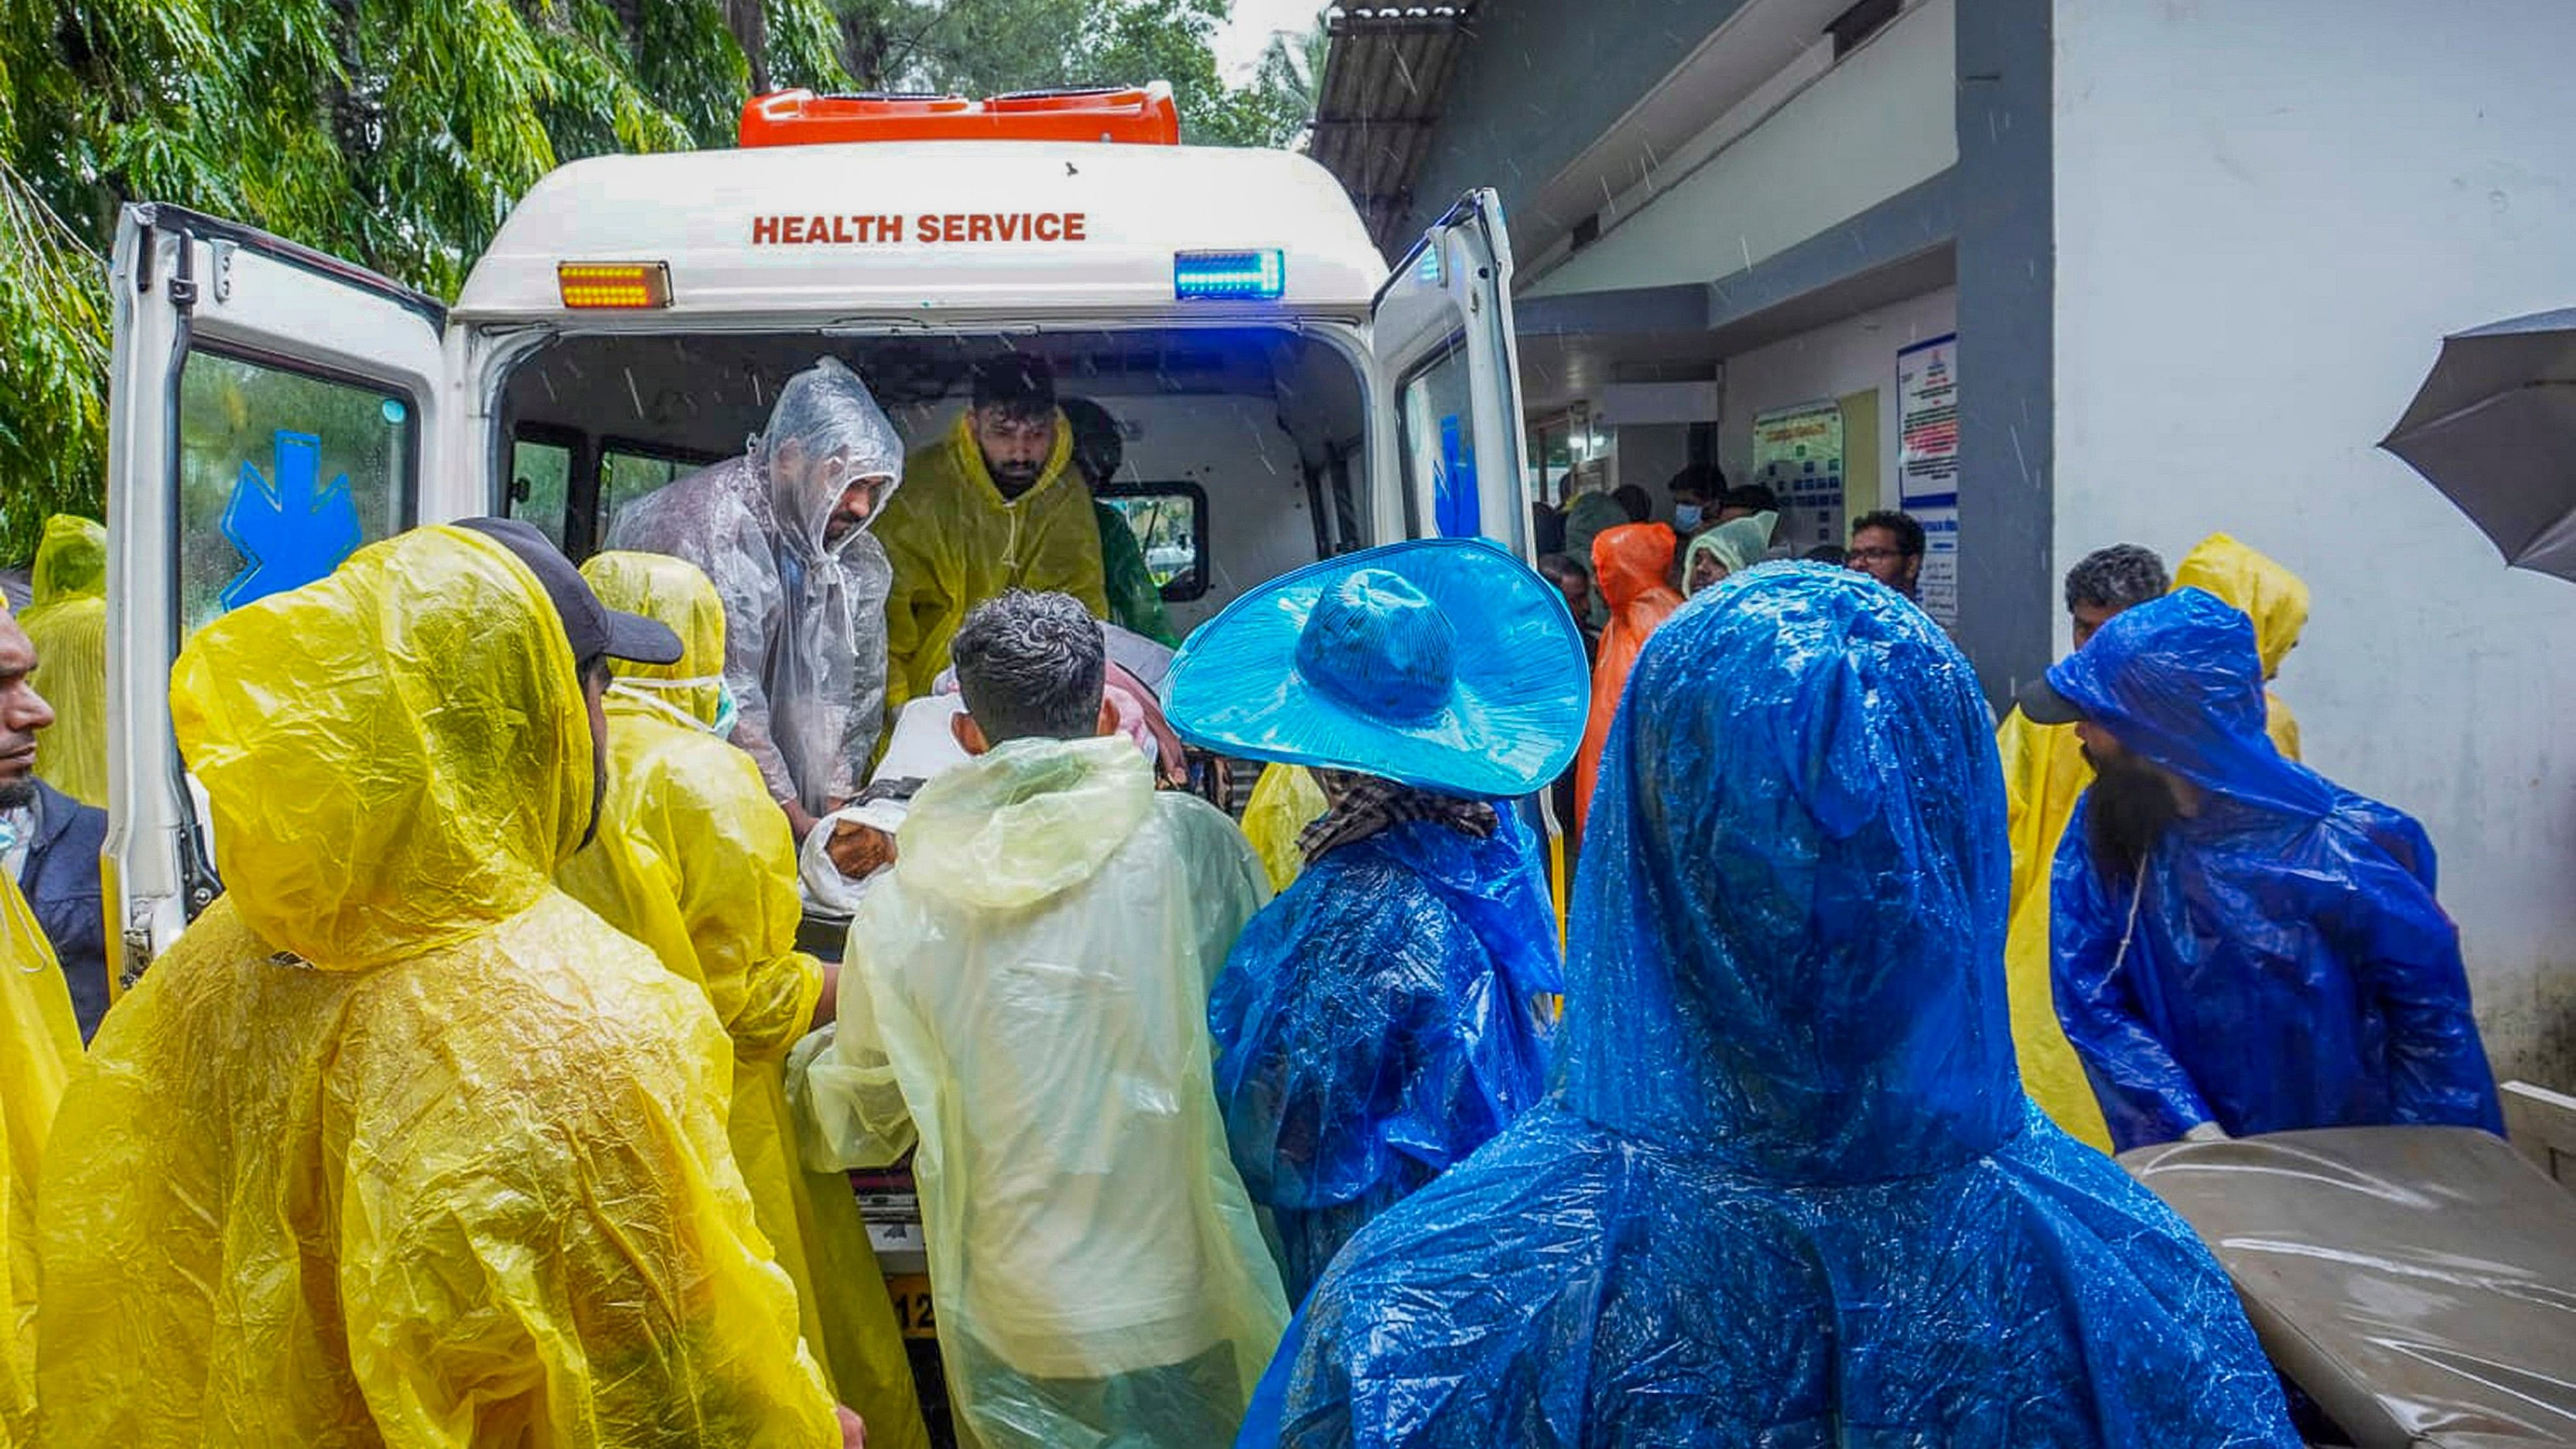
(398, 1142)
(995, 504)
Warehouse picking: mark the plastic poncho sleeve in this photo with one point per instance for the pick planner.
(954, 543)
(2405, 957)
(843, 1091)
(41, 1047)
(1135, 600)
(2145, 1094)
(1285, 800)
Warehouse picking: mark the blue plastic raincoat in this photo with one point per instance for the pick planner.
(2286, 964)
(1788, 1191)
(1378, 1022)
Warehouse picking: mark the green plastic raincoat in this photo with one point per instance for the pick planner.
(955, 542)
(66, 619)
(41, 1047)
(1025, 998)
(693, 860)
(400, 1144)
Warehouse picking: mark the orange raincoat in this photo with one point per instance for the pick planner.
(1630, 564)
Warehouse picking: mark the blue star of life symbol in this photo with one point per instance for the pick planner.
(292, 531)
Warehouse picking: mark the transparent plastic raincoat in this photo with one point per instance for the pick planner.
(2269, 594)
(1788, 1191)
(2279, 961)
(1024, 999)
(1284, 801)
(804, 649)
(693, 860)
(1379, 1022)
(66, 619)
(40, 1048)
(399, 1143)
(955, 542)
(1738, 543)
(1630, 564)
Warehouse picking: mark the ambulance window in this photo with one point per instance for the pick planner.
(1169, 521)
(541, 484)
(1439, 444)
(627, 473)
(282, 474)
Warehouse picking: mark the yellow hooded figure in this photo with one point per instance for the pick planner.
(1285, 800)
(2272, 596)
(66, 619)
(693, 859)
(956, 536)
(40, 1047)
(399, 1143)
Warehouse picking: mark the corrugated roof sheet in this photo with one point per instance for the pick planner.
(1385, 76)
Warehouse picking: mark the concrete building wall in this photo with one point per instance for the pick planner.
(1831, 362)
(1872, 126)
(2268, 212)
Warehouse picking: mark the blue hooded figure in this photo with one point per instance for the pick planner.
(2239, 944)
(1788, 1191)
(1384, 1017)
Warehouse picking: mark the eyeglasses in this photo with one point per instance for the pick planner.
(1875, 555)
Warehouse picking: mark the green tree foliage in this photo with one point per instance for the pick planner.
(398, 133)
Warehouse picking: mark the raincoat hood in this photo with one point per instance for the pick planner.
(826, 433)
(1024, 822)
(2272, 596)
(674, 593)
(398, 755)
(1788, 939)
(70, 563)
(2179, 681)
(1738, 543)
(1632, 561)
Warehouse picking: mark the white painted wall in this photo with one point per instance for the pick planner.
(1828, 363)
(1831, 148)
(2269, 212)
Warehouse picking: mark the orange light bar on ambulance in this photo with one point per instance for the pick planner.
(1133, 115)
(614, 286)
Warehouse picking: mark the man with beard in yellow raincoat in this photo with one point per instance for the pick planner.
(2045, 772)
(996, 504)
(39, 1046)
(694, 861)
(399, 1143)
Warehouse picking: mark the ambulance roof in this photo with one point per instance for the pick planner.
(929, 228)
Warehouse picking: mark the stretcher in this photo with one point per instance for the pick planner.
(2417, 1283)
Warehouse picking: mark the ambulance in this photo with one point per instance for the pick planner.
(1284, 395)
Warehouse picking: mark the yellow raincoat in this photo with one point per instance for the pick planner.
(400, 1144)
(2272, 596)
(41, 1047)
(694, 860)
(954, 543)
(66, 619)
(2044, 771)
(1285, 800)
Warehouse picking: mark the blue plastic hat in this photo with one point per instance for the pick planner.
(1443, 663)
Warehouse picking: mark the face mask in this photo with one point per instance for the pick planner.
(1686, 516)
(648, 692)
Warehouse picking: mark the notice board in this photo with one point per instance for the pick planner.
(1798, 455)
(1927, 466)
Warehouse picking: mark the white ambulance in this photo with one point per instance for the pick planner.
(1284, 395)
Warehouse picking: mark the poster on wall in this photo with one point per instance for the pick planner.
(1798, 455)
(1927, 466)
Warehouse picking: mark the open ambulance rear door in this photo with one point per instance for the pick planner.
(270, 409)
(1451, 375)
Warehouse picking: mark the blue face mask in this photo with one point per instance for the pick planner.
(728, 710)
(1686, 516)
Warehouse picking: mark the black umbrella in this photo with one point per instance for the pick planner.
(2494, 427)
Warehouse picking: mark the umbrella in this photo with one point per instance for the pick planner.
(2494, 427)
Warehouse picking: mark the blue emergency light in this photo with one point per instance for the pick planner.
(1257, 275)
